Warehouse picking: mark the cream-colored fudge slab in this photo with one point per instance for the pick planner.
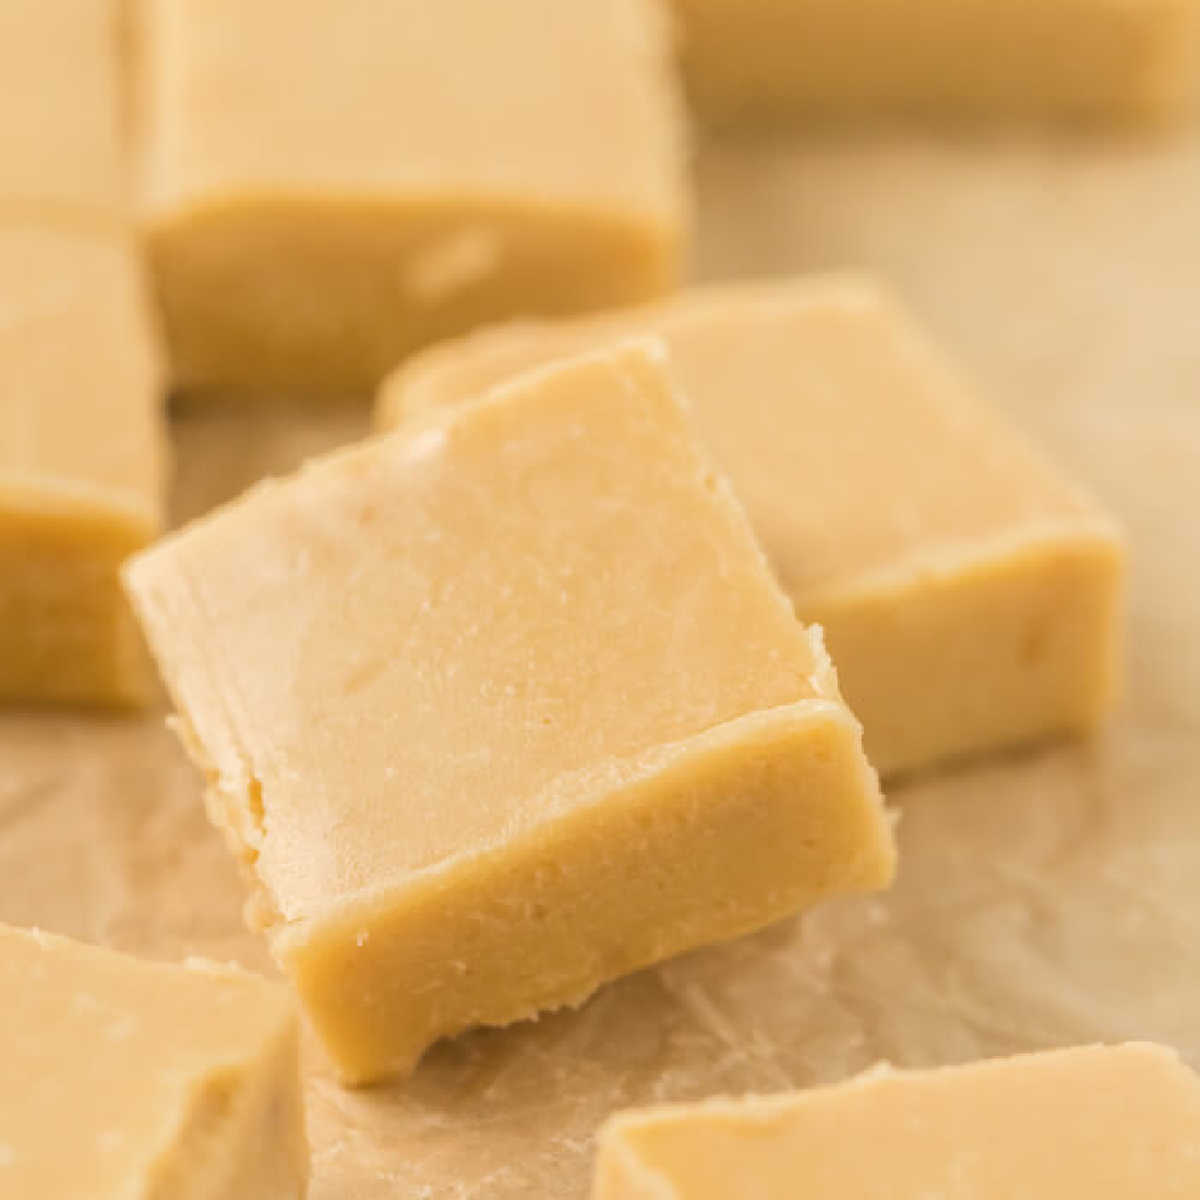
(126, 1079)
(61, 138)
(81, 464)
(505, 707)
(1090, 1123)
(968, 593)
(329, 186)
(1078, 59)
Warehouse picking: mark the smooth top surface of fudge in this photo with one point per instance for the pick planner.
(533, 100)
(424, 645)
(104, 1058)
(1092, 1123)
(61, 121)
(857, 451)
(79, 371)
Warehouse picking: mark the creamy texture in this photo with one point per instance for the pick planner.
(327, 187)
(82, 460)
(1092, 59)
(455, 662)
(1045, 898)
(80, 367)
(806, 391)
(967, 590)
(127, 1080)
(1091, 1123)
(61, 121)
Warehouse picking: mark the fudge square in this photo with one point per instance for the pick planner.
(328, 185)
(500, 708)
(1094, 1122)
(60, 123)
(81, 464)
(125, 1078)
(969, 594)
(1068, 59)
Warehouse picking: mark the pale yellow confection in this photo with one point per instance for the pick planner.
(1089, 1123)
(329, 186)
(81, 464)
(969, 595)
(130, 1080)
(61, 136)
(1078, 59)
(500, 708)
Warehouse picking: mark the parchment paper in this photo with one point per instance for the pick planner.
(1047, 898)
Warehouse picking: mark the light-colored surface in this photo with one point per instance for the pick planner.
(971, 603)
(329, 186)
(82, 462)
(1088, 1123)
(524, 669)
(1043, 899)
(61, 124)
(126, 1079)
(79, 367)
(808, 392)
(1089, 59)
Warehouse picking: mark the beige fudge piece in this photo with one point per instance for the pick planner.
(60, 123)
(329, 186)
(1078, 59)
(125, 1079)
(1091, 1123)
(504, 708)
(969, 595)
(81, 464)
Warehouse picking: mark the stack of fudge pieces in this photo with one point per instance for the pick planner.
(81, 444)
(562, 672)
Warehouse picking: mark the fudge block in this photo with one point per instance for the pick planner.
(81, 464)
(1070, 59)
(126, 1078)
(1093, 1123)
(500, 708)
(329, 186)
(969, 594)
(61, 120)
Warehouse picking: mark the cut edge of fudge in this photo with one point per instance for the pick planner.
(443, 268)
(788, 789)
(63, 543)
(1011, 588)
(794, 776)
